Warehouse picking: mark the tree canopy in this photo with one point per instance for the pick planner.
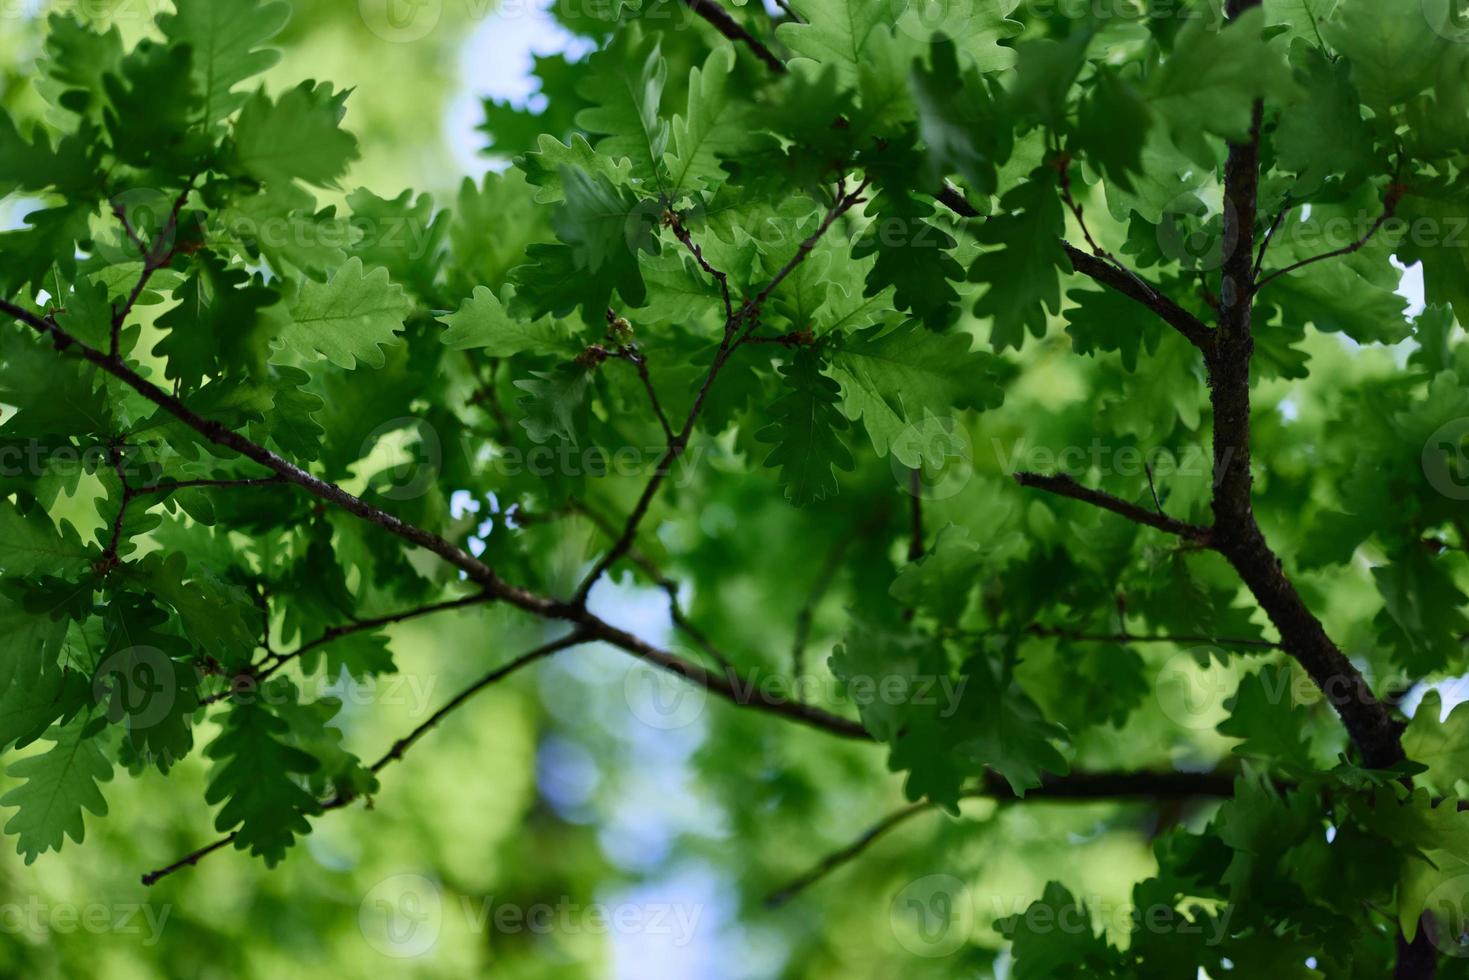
(1016, 409)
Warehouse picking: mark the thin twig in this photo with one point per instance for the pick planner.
(1389, 208)
(640, 362)
(670, 588)
(1122, 637)
(1083, 787)
(109, 559)
(153, 260)
(844, 203)
(1285, 209)
(790, 11)
(1065, 486)
(681, 232)
(722, 22)
(187, 861)
(398, 749)
(1157, 504)
(1114, 277)
(263, 672)
(170, 488)
(746, 314)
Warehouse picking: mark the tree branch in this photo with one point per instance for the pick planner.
(722, 22)
(747, 313)
(167, 489)
(152, 259)
(681, 232)
(1114, 277)
(844, 203)
(473, 569)
(1078, 786)
(399, 748)
(1389, 208)
(641, 363)
(263, 671)
(1237, 533)
(1065, 486)
(1081, 636)
(670, 587)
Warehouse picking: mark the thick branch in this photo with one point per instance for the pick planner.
(732, 29)
(1065, 486)
(474, 569)
(1237, 534)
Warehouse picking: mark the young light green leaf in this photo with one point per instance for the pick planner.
(348, 319)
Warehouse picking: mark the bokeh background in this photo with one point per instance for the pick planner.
(586, 819)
